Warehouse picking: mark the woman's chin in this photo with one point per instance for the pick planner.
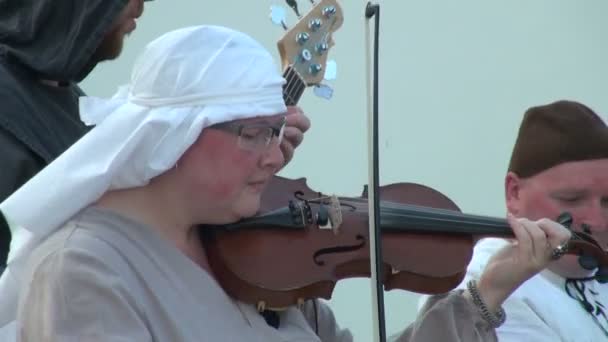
(249, 209)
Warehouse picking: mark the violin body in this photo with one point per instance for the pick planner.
(275, 264)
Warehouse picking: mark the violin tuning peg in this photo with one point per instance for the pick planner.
(277, 16)
(588, 306)
(602, 275)
(331, 70)
(587, 262)
(565, 219)
(586, 228)
(323, 91)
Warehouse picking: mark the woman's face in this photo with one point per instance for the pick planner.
(229, 166)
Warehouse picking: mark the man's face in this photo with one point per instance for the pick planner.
(580, 188)
(124, 24)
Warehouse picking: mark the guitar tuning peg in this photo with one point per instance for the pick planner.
(277, 16)
(331, 70)
(294, 5)
(324, 91)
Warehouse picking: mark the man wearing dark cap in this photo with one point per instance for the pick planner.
(559, 164)
(46, 48)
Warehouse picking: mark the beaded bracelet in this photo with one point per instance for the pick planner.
(494, 319)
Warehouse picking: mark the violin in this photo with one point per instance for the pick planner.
(303, 242)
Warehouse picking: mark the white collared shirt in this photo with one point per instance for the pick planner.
(541, 310)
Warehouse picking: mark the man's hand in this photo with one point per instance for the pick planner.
(517, 262)
(297, 125)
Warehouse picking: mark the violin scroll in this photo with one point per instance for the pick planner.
(591, 254)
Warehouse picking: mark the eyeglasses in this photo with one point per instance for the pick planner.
(254, 137)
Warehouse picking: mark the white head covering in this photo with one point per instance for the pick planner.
(183, 82)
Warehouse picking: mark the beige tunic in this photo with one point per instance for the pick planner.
(104, 277)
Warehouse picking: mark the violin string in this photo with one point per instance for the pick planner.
(397, 207)
(401, 206)
(420, 212)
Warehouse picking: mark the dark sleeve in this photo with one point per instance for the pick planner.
(18, 164)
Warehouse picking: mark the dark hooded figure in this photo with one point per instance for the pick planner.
(46, 48)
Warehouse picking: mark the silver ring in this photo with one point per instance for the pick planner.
(559, 251)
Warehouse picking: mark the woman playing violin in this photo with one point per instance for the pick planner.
(106, 239)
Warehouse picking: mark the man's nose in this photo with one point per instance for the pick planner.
(595, 219)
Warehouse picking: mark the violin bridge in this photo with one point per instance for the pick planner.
(334, 215)
(261, 306)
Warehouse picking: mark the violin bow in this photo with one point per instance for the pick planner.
(375, 245)
(303, 51)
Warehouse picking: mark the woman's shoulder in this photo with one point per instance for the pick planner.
(83, 244)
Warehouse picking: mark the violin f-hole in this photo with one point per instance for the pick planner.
(338, 249)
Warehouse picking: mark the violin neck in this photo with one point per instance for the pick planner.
(412, 218)
(293, 87)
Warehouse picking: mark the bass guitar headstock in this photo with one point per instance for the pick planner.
(305, 46)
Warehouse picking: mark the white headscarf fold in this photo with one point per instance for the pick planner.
(183, 82)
